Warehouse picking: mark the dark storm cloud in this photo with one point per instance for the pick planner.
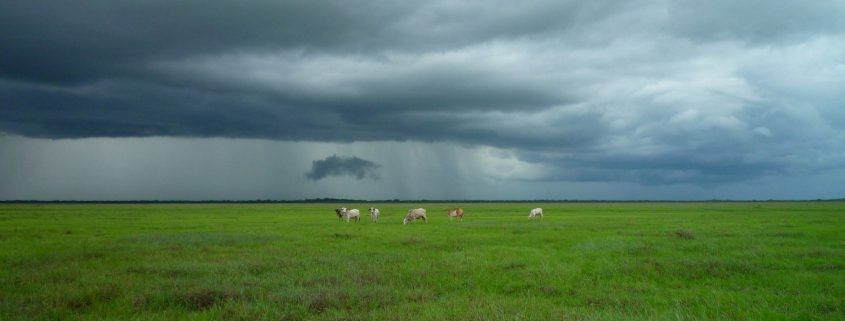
(342, 166)
(646, 91)
(64, 41)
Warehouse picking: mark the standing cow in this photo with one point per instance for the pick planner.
(374, 213)
(455, 212)
(352, 214)
(536, 212)
(414, 214)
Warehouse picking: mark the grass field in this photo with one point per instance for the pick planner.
(603, 261)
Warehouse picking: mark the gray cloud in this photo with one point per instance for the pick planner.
(771, 22)
(342, 166)
(650, 92)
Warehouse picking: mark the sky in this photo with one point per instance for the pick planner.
(611, 100)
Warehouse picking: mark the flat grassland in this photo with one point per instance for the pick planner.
(584, 261)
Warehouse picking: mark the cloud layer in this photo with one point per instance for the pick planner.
(650, 92)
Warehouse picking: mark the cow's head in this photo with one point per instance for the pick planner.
(340, 211)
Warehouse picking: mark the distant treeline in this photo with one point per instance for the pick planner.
(344, 201)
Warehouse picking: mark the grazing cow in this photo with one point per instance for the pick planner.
(374, 214)
(339, 212)
(352, 214)
(536, 212)
(414, 214)
(455, 212)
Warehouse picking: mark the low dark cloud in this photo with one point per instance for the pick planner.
(636, 91)
(343, 166)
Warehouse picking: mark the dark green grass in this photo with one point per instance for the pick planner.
(626, 261)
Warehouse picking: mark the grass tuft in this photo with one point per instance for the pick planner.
(514, 266)
(201, 299)
(342, 236)
(99, 295)
(684, 234)
(321, 300)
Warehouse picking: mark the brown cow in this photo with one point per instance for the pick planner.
(455, 212)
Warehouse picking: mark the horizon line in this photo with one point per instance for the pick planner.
(341, 200)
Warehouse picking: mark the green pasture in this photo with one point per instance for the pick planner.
(583, 261)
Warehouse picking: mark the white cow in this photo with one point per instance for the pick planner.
(536, 212)
(374, 213)
(414, 214)
(352, 214)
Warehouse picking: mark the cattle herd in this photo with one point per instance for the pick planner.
(413, 214)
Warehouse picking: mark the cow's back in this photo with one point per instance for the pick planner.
(417, 212)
